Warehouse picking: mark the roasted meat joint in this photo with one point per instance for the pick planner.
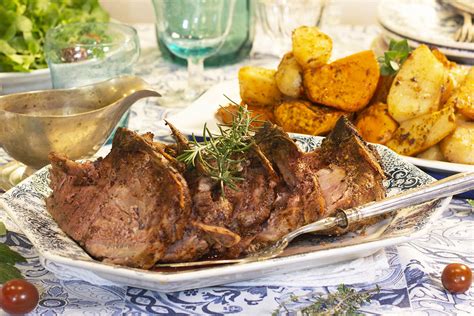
(144, 204)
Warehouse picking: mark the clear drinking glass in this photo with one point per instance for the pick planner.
(278, 19)
(194, 30)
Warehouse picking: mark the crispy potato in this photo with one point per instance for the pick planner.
(463, 97)
(300, 116)
(226, 114)
(432, 153)
(258, 86)
(375, 124)
(419, 133)
(416, 89)
(347, 84)
(311, 47)
(289, 77)
(459, 146)
(383, 87)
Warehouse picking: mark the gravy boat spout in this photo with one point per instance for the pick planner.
(75, 122)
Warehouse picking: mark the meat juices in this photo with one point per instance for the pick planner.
(140, 205)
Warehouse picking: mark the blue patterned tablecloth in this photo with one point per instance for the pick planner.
(411, 284)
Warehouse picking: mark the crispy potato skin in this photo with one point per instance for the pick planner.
(382, 90)
(417, 87)
(311, 47)
(347, 84)
(258, 86)
(300, 116)
(375, 124)
(418, 134)
(463, 97)
(226, 114)
(289, 77)
(459, 146)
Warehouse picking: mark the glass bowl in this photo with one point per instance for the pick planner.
(80, 54)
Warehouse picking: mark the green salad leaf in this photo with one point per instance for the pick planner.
(24, 23)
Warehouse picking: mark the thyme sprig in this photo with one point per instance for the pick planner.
(393, 59)
(344, 301)
(218, 154)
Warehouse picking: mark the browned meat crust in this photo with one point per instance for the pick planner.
(139, 205)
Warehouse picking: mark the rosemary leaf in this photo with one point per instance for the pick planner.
(344, 301)
(218, 154)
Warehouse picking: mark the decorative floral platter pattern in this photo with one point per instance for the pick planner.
(25, 205)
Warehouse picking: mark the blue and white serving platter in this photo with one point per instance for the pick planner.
(61, 255)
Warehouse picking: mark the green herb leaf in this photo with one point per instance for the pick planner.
(471, 202)
(24, 23)
(8, 272)
(218, 155)
(345, 301)
(9, 256)
(393, 59)
(3, 229)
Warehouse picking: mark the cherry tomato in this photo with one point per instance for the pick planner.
(18, 296)
(456, 278)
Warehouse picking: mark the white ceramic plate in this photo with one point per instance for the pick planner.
(25, 205)
(191, 120)
(13, 82)
(426, 21)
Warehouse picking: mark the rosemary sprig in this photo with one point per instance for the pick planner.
(345, 301)
(393, 59)
(218, 153)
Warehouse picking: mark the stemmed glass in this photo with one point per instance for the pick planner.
(194, 30)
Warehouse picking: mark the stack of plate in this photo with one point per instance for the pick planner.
(428, 22)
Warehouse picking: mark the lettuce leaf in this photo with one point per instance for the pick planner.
(24, 23)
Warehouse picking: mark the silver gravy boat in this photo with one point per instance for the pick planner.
(75, 122)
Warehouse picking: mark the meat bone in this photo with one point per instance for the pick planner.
(455, 184)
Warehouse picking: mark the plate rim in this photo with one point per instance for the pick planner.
(385, 20)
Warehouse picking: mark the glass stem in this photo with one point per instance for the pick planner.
(195, 77)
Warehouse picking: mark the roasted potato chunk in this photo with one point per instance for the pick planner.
(289, 77)
(459, 146)
(419, 133)
(311, 47)
(258, 86)
(375, 124)
(432, 153)
(463, 97)
(417, 87)
(347, 84)
(382, 90)
(227, 113)
(300, 116)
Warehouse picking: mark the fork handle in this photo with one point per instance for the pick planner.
(449, 186)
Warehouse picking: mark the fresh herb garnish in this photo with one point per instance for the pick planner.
(393, 59)
(218, 155)
(8, 258)
(471, 202)
(345, 301)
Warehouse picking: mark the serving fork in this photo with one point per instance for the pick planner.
(456, 184)
(466, 32)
